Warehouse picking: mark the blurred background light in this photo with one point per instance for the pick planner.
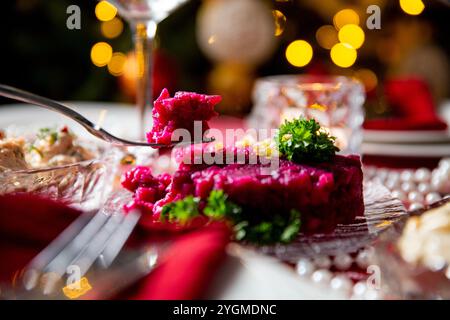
(280, 22)
(101, 54)
(130, 67)
(345, 16)
(212, 39)
(343, 55)
(112, 28)
(352, 35)
(367, 77)
(299, 53)
(412, 7)
(327, 36)
(117, 63)
(104, 11)
(197, 51)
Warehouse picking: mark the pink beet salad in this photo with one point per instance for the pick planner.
(180, 112)
(325, 194)
(311, 190)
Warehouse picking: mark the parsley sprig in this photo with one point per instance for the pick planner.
(48, 133)
(302, 140)
(218, 206)
(278, 228)
(181, 211)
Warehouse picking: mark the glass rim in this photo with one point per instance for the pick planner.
(308, 82)
(102, 158)
(79, 164)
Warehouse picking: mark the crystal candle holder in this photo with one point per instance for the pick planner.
(408, 280)
(336, 102)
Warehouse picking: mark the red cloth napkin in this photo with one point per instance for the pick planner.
(186, 268)
(28, 223)
(412, 105)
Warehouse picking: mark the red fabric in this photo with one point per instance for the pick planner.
(28, 223)
(398, 162)
(412, 106)
(186, 267)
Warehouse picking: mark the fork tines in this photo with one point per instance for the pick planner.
(78, 247)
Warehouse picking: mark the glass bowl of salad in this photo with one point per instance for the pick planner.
(55, 163)
(414, 255)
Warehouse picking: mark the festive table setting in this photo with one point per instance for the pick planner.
(315, 183)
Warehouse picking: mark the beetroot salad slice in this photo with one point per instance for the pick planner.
(305, 187)
(180, 112)
(326, 194)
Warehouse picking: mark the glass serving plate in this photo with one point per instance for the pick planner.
(381, 211)
(84, 185)
(404, 280)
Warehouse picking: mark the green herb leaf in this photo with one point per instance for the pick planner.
(251, 228)
(240, 230)
(278, 229)
(49, 133)
(292, 228)
(39, 152)
(43, 132)
(181, 211)
(219, 207)
(303, 140)
(53, 137)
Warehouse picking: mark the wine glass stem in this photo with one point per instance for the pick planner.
(144, 35)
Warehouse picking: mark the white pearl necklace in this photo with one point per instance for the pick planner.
(415, 188)
(317, 271)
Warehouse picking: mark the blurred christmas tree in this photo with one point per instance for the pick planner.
(221, 46)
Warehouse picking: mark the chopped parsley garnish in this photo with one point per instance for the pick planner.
(39, 152)
(302, 140)
(278, 229)
(181, 211)
(48, 133)
(218, 206)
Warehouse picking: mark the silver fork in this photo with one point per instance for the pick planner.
(86, 241)
(28, 97)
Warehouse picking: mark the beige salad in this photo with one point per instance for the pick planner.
(426, 239)
(49, 148)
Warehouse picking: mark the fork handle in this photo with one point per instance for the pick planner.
(28, 97)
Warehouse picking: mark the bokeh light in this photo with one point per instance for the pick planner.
(104, 11)
(352, 35)
(280, 22)
(327, 36)
(343, 55)
(101, 54)
(412, 7)
(117, 63)
(112, 28)
(299, 53)
(368, 78)
(345, 16)
(212, 39)
(128, 79)
(130, 68)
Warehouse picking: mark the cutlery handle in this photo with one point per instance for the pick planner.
(28, 97)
